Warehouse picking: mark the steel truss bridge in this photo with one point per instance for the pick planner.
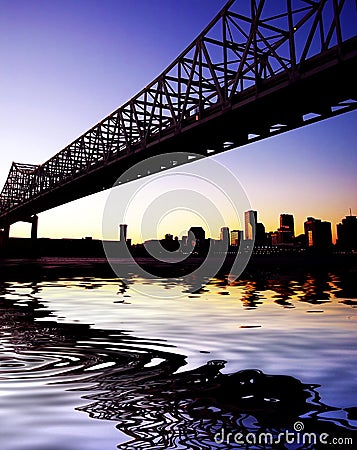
(260, 68)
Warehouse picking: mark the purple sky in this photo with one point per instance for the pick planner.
(67, 64)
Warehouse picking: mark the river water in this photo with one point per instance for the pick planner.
(94, 362)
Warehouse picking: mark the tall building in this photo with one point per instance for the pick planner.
(260, 235)
(123, 229)
(250, 220)
(287, 222)
(286, 232)
(196, 234)
(318, 234)
(224, 235)
(196, 239)
(347, 233)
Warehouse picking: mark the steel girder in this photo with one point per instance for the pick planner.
(250, 46)
(20, 186)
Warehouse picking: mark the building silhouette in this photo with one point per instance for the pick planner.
(285, 234)
(347, 233)
(260, 235)
(224, 235)
(254, 230)
(197, 233)
(236, 237)
(287, 222)
(196, 239)
(250, 220)
(271, 238)
(318, 234)
(123, 230)
(286, 231)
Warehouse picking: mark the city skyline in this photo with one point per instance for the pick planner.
(312, 168)
(299, 227)
(221, 233)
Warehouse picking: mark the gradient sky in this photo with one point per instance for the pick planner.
(67, 64)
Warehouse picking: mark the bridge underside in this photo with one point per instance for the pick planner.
(326, 86)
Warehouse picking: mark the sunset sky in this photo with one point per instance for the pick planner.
(65, 65)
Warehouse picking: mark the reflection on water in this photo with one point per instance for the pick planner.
(174, 373)
(155, 407)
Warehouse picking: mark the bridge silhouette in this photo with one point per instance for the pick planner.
(260, 68)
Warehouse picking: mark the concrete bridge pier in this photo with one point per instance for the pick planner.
(34, 227)
(9, 248)
(33, 247)
(6, 232)
(4, 236)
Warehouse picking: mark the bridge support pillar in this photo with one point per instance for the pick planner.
(4, 236)
(34, 227)
(6, 232)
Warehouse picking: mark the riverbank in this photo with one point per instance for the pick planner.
(58, 267)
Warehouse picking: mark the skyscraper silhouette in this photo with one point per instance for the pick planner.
(287, 221)
(347, 233)
(318, 234)
(224, 235)
(250, 220)
(123, 229)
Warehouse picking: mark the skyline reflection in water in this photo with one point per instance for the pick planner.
(143, 363)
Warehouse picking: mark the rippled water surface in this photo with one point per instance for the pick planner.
(100, 363)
